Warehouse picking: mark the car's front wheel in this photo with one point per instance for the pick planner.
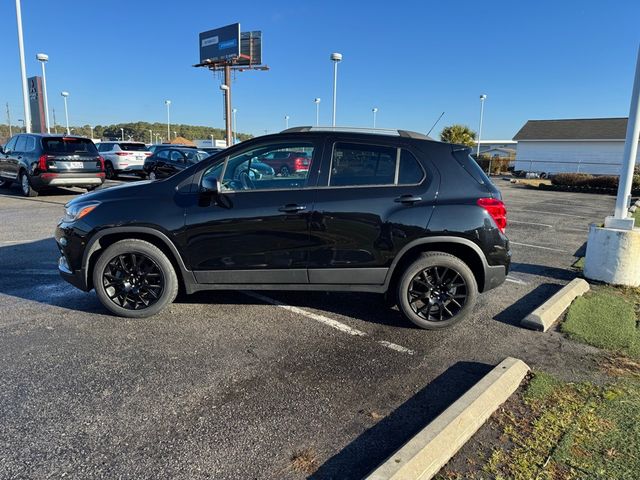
(437, 290)
(135, 279)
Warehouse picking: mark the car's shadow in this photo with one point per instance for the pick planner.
(29, 272)
(376, 444)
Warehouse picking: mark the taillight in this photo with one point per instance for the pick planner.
(148, 154)
(42, 162)
(122, 154)
(497, 210)
(101, 163)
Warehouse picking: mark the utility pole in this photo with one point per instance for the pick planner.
(227, 104)
(9, 120)
(55, 129)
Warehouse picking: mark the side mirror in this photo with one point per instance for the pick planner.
(210, 185)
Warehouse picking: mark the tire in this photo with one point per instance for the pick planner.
(109, 171)
(284, 171)
(5, 183)
(445, 282)
(25, 185)
(152, 175)
(122, 288)
(91, 188)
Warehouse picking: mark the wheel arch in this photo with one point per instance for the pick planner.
(464, 249)
(107, 237)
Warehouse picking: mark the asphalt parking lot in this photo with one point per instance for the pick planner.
(231, 385)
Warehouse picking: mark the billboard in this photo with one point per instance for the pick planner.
(250, 48)
(36, 105)
(220, 44)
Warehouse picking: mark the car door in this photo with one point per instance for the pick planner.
(160, 159)
(373, 198)
(257, 229)
(177, 162)
(7, 165)
(17, 155)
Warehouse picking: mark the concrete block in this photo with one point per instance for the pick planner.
(427, 452)
(613, 256)
(543, 317)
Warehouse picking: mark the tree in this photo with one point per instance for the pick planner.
(460, 134)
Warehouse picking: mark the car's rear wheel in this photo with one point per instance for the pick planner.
(5, 183)
(134, 279)
(25, 186)
(437, 291)
(109, 171)
(284, 171)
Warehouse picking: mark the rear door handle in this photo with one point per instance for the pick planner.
(291, 208)
(408, 199)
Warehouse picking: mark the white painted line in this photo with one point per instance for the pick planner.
(530, 223)
(33, 271)
(515, 280)
(549, 213)
(396, 347)
(319, 318)
(539, 246)
(30, 240)
(329, 322)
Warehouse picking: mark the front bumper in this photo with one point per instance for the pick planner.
(68, 243)
(77, 278)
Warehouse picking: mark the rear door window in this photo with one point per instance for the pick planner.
(355, 164)
(69, 146)
(31, 144)
(163, 154)
(176, 157)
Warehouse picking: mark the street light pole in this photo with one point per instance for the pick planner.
(44, 58)
(482, 99)
(286, 121)
(9, 120)
(150, 137)
(212, 142)
(374, 110)
(317, 102)
(22, 121)
(235, 126)
(66, 110)
(23, 70)
(168, 103)
(122, 134)
(335, 58)
(91, 128)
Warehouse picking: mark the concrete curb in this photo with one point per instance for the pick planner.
(425, 454)
(546, 314)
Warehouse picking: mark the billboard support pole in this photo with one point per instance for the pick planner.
(227, 103)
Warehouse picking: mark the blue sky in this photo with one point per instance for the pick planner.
(411, 59)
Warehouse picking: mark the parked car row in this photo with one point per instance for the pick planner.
(38, 162)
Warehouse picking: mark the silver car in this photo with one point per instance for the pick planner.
(123, 157)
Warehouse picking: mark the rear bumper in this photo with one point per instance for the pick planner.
(131, 168)
(67, 179)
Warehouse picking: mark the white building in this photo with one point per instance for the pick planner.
(588, 145)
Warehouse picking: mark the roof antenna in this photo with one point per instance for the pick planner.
(434, 125)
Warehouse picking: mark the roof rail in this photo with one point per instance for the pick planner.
(375, 131)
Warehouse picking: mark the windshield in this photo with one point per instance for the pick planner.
(196, 156)
(69, 145)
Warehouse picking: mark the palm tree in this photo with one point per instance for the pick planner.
(460, 134)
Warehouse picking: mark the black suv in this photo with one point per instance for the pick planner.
(394, 213)
(39, 161)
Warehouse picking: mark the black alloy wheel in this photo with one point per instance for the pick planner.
(437, 293)
(133, 281)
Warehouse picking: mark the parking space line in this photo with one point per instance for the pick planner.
(538, 246)
(549, 213)
(515, 280)
(319, 318)
(328, 321)
(530, 223)
(396, 347)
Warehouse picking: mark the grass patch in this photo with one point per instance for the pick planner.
(636, 216)
(606, 318)
(579, 264)
(304, 461)
(569, 431)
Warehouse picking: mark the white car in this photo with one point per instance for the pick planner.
(123, 157)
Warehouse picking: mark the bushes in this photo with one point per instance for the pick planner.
(592, 181)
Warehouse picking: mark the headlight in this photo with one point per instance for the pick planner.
(78, 210)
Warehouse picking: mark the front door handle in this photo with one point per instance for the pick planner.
(408, 199)
(291, 208)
